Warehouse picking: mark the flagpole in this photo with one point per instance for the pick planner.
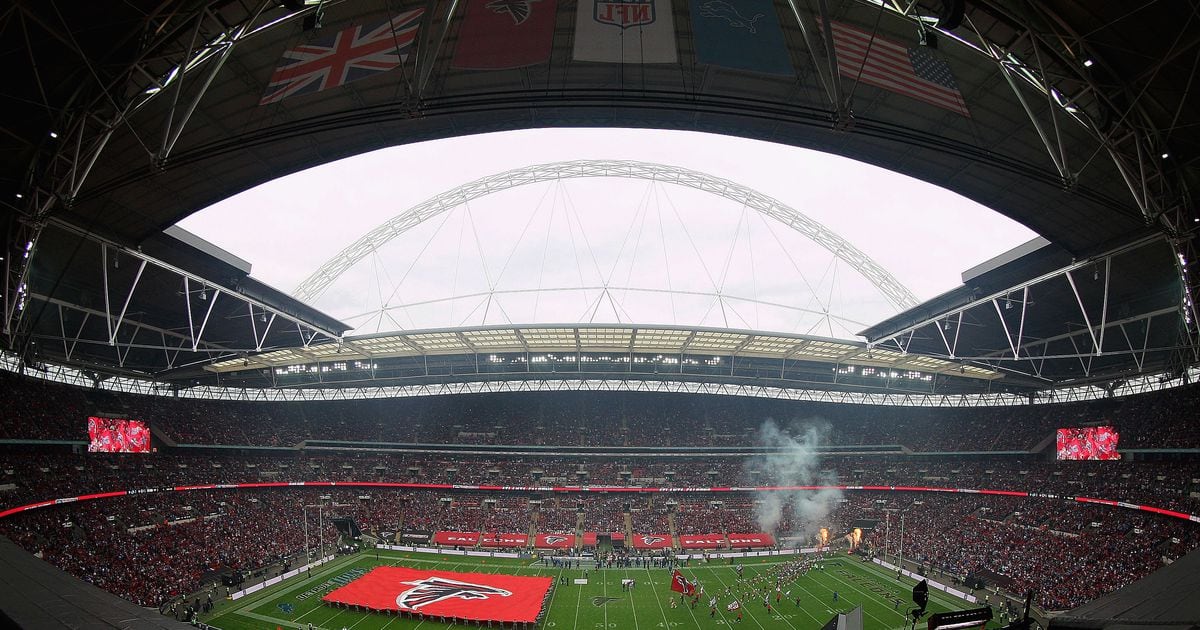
(901, 568)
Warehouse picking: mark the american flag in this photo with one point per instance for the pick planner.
(353, 53)
(916, 72)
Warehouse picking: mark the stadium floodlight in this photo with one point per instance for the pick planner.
(1088, 63)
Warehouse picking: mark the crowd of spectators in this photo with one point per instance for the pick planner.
(41, 410)
(30, 474)
(151, 548)
(155, 546)
(1066, 553)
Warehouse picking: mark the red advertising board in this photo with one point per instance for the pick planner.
(741, 541)
(617, 536)
(504, 540)
(701, 541)
(589, 539)
(651, 541)
(556, 541)
(458, 596)
(456, 539)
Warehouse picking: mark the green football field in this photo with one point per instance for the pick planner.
(602, 604)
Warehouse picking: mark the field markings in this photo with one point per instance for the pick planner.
(941, 599)
(721, 611)
(650, 578)
(632, 603)
(578, 598)
(947, 605)
(834, 575)
(254, 599)
(749, 613)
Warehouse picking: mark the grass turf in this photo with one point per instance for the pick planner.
(602, 604)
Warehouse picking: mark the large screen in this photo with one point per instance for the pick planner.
(117, 435)
(1088, 443)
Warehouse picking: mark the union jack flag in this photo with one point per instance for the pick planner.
(353, 53)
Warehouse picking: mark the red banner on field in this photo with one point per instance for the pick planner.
(741, 541)
(557, 541)
(701, 541)
(457, 539)
(651, 541)
(497, 35)
(589, 539)
(504, 540)
(617, 536)
(456, 596)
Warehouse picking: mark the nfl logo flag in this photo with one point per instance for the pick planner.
(740, 34)
(915, 72)
(500, 34)
(337, 58)
(625, 31)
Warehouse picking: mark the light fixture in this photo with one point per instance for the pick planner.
(203, 294)
(1095, 274)
(1008, 305)
(53, 134)
(1088, 63)
(1165, 155)
(20, 196)
(262, 317)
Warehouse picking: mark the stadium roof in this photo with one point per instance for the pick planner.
(570, 350)
(124, 118)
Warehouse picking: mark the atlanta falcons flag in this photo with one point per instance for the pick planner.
(465, 596)
(500, 34)
(679, 584)
(340, 57)
(555, 541)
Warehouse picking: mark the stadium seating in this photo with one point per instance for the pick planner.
(572, 419)
(153, 547)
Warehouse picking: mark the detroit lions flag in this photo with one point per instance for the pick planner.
(740, 34)
(502, 34)
(625, 31)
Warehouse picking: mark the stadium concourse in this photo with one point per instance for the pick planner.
(158, 547)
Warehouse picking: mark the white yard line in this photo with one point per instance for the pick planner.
(650, 578)
(833, 574)
(754, 617)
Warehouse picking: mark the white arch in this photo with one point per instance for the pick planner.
(891, 288)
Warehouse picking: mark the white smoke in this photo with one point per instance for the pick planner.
(794, 460)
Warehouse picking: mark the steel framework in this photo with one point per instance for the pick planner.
(887, 284)
(1100, 335)
(629, 383)
(1044, 58)
(1039, 56)
(188, 345)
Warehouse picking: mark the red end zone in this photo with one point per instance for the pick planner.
(458, 596)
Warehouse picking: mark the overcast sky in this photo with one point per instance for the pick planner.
(663, 251)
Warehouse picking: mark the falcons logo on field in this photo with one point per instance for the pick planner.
(554, 540)
(518, 10)
(650, 540)
(435, 589)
